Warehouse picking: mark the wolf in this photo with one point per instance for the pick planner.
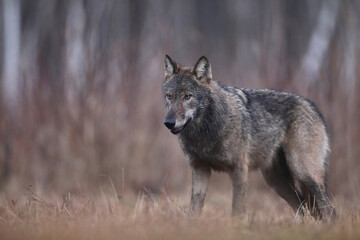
(236, 130)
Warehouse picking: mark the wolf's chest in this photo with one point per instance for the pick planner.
(213, 155)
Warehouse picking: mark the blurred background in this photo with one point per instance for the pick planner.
(80, 84)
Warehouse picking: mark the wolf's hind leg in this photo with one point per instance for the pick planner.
(279, 177)
(305, 152)
(318, 200)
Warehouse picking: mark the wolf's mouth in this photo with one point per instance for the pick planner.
(179, 129)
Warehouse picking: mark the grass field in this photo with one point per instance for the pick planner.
(107, 215)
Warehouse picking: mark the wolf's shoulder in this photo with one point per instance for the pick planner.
(281, 100)
(267, 95)
(236, 92)
(251, 95)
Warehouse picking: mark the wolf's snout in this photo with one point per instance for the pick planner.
(169, 123)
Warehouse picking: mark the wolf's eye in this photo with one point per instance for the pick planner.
(168, 96)
(187, 96)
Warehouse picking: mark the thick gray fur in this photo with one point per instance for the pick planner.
(236, 130)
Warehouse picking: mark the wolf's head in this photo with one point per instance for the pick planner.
(186, 93)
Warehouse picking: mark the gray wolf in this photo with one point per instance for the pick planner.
(236, 130)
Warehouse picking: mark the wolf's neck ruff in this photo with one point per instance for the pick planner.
(207, 127)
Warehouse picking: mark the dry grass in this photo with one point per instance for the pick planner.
(106, 215)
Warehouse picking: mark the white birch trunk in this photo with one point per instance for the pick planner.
(75, 51)
(318, 44)
(11, 28)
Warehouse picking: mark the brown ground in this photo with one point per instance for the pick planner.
(107, 215)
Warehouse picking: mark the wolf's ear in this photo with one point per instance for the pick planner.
(202, 70)
(170, 66)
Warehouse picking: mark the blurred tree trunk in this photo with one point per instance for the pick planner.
(318, 45)
(12, 34)
(10, 80)
(76, 60)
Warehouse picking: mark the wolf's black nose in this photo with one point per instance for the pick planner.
(169, 123)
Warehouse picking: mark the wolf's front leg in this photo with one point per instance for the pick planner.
(200, 181)
(239, 179)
